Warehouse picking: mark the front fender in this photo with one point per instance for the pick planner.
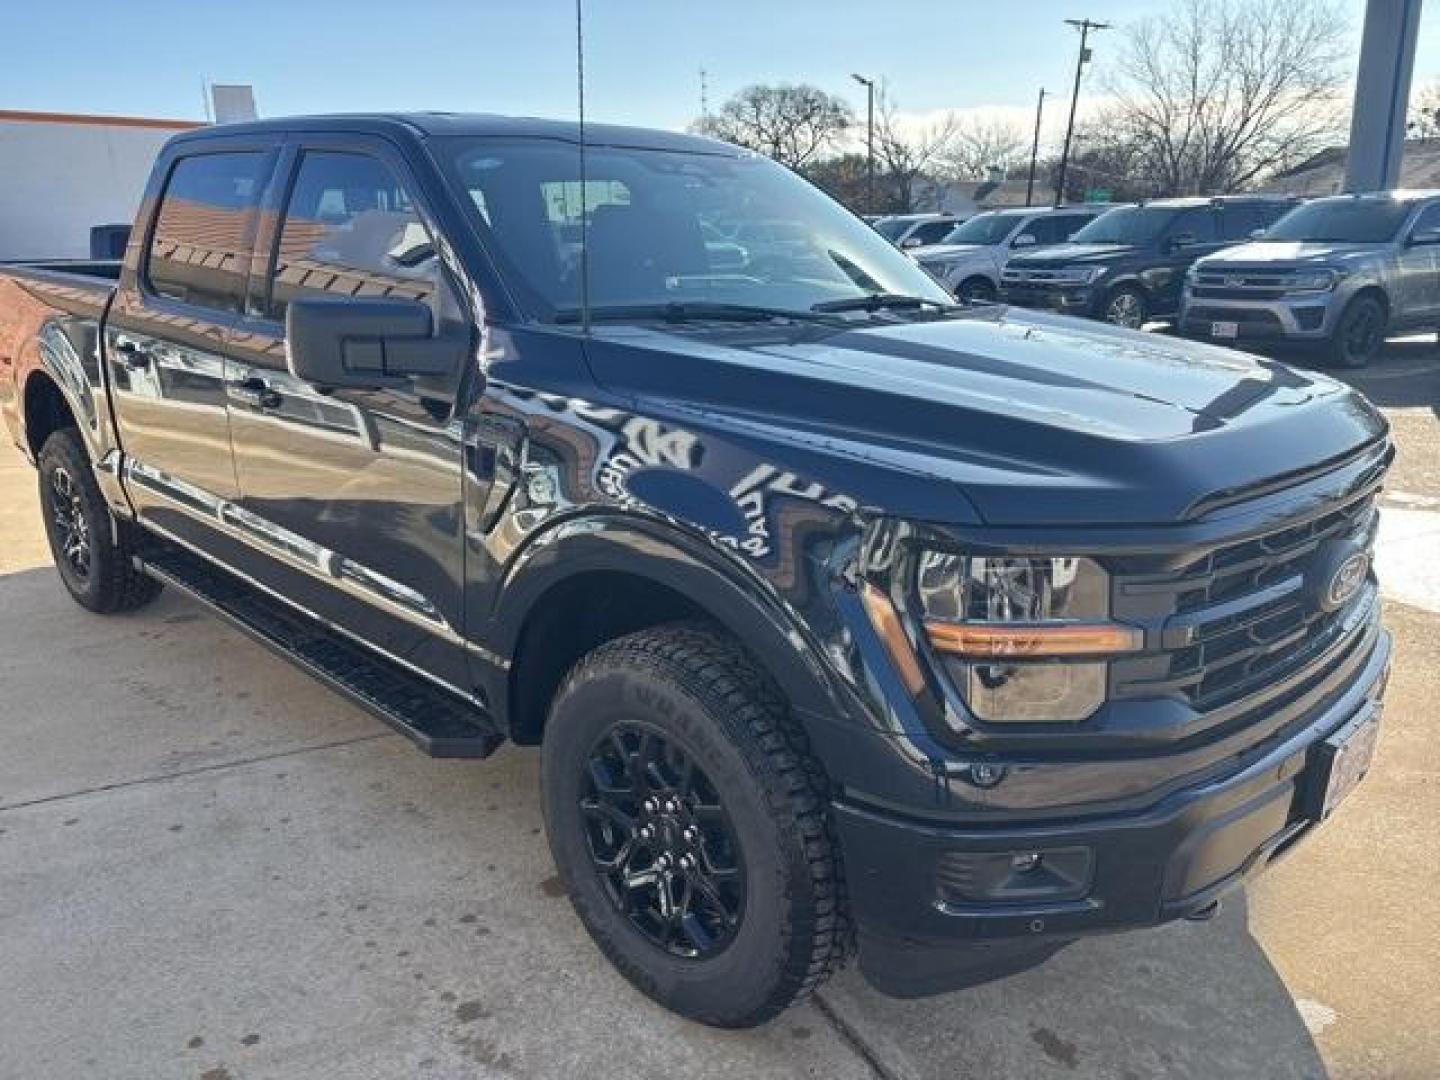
(737, 597)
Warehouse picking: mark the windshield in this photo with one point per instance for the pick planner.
(991, 228)
(787, 248)
(1342, 221)
(1126, 225)
(891, 228)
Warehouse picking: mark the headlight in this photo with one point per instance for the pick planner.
(1024, 639)
(1081, 275)
(1311, 281)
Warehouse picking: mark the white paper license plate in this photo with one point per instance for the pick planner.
(1224, 329)
(1346, 757)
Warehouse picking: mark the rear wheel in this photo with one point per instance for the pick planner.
(1127, 306)
(94, 565)
(688, 824)
(1359, 334)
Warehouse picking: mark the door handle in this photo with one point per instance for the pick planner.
(130, 354)
(255, 393)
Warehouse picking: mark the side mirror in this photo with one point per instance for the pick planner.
(1257, 234)
(1025, 239)
(1180, 241)
(911, 241)
(365, 343)
(1424, 236)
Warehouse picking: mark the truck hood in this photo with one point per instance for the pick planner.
(1001, 415)
(1066, 254)
(1279, 255)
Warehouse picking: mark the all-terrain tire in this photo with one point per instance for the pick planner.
(695, 690)
(93, 557)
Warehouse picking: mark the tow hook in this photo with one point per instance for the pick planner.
(1206, 913)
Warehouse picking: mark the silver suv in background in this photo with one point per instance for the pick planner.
(1336, 274)
(969, 259)
(915, 230)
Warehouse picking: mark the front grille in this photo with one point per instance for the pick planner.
(1244, 616)
(1245, 285)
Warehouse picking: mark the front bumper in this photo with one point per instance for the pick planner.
(1306, 318)
(908, 880)
(1081, 300)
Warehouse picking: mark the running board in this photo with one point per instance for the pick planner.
(438, 722)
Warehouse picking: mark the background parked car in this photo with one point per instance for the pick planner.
(915, 230)
(1128, 265)
(1336, 274)
(969, 259)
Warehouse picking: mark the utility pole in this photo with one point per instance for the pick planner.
(1085, 26)
(869, 85)
(704, 94)
(1035, 147)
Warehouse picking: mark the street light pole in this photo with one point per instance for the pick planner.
(1034, 148)
(869, 85)
(1085, 26)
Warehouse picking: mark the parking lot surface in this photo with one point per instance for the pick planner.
(211, 867)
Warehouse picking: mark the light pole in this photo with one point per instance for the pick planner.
(869, 85)
(1034, 147)
(1085, 26)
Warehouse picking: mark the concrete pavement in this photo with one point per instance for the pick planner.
(211, 867)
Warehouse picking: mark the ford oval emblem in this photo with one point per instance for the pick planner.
(1345, 581)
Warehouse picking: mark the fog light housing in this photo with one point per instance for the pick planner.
(1044, 875)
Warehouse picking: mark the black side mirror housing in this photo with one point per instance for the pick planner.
(365, 343)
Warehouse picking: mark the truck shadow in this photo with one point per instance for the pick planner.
(1186, 1000)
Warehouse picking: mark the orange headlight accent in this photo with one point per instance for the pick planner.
(886, 621)
(991, 642)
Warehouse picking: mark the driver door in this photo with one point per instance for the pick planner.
(350, 500)
(1417, 267)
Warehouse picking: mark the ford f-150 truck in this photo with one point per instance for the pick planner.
(844, 617)
(1335, 275)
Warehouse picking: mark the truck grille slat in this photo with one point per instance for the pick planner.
(1241, 616)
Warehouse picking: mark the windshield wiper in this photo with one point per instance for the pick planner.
(685, 311)
(880, 302)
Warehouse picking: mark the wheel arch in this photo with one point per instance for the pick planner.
(46, 409)
(588, 581)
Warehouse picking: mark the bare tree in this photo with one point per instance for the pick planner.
(980, 146)
(1219, 93)
(790, 123)
(1424, 116)
(905, 153)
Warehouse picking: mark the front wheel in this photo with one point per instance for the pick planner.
(1127, 307)
(976, 290)
(92, 557)
(1359, 334)
(688, 824)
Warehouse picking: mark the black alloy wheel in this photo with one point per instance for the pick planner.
(662, 842)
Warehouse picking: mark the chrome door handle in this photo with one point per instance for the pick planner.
(255, 393)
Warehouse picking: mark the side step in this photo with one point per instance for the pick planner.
(438, 722)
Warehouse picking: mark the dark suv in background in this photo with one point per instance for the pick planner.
(1128, 266)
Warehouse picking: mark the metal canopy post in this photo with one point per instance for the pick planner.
(1382, 92)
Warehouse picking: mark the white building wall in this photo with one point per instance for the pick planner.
(58, 178)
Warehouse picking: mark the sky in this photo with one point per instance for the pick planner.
(643, 57)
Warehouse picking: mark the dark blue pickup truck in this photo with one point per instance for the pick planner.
(844, 617)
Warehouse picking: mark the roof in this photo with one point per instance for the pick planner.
(95, 120)
(1324, 173)
(1184, 202)
(486, 125)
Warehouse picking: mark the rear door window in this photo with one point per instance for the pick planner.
(351, 229)
(1197, 226)
(199, 250)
